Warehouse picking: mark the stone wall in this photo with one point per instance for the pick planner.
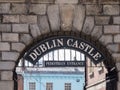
(23, 21)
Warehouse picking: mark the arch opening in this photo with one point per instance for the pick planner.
(108, 61)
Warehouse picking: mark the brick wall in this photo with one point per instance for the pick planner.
(23, 21)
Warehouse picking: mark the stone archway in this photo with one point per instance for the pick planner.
(108, 62)
(37, 18)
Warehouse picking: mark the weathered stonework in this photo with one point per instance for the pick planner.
(4, 8)
(66, 1)
(35, 31)
(38, 9)
(54, 18)
(106, 39)
(97, 32)
(6, 85)
(89, 24)
(117, 38)
(42, 1)
(10, 37)
(25, 21)
(94, 9)
(17, 8)
(79, 16)
(43, 24)
(11, 19)
(4, 46)
(20, 28)
(67, 12)
(5, 28)
(111, 29)
(28, 19)
(117, 20)
(10, 56)
(111, 10)
(7, 75)
(18, 47)
(7, 65)
(102, 20)
(26, 39)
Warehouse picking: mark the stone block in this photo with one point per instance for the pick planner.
(111, 29)
(6, 85)
(6, 75)
(4, 46)
(35, 31)
(18, 47)
(43, 24)
(26, 39)
(113, 47)
(18, 8)
(7, 65)
(79, 17)
(111, 10)
(38, 9)
(10, 37)
(1, 18)
(117, 38)
(118, 67)
(97, 32)
(5, 27)
(10, 18)
(101, 20)
(4, 8)
(16, 1)
(116, 57)
(88, 1)
(0, 37)
(106, 39)
(66, 1)
(54, 18)
(11, 56)
(20, 28)
(93, 9)
(67, 13)
(109, 1)
(0, 55)
(42, 1)
(116, 20)
(28, 19)
(118, 83)
(88, 25)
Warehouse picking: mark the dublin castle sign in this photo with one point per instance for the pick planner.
(59, 42)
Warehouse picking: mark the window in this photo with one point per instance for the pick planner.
(32, 86)
(49, 86)
(100, 68)
(91, 68)
(67, 86)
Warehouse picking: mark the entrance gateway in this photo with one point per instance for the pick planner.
(59, 42)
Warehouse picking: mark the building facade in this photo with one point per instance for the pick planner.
(53, 80)
(26, 22)
(96, 78)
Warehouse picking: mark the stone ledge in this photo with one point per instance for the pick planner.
(12, 0)
(42, 1)
(66, 1)
(100, 1)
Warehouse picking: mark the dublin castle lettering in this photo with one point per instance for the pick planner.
(63, 42)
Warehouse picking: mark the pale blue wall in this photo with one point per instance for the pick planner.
(58, 80)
